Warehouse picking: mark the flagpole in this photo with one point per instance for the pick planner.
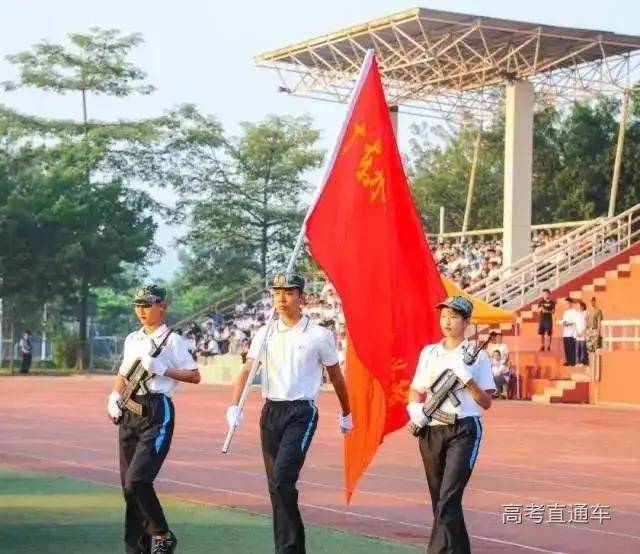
(366, 64)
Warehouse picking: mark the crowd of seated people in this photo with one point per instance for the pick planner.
(471, 261)
(231, 333)
(465, 263)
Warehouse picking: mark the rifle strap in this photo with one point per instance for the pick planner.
(134, 407)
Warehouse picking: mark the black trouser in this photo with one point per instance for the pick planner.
(26, 362)
(569, 350)
(144, 444)
(286, 430)
(449, 453)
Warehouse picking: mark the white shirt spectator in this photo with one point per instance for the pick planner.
(435, 359)
(568, 323)
(175, 354)
(294, 359)
(500, 347)
(221, 335)
(499, 369)
(581, 325)
(327, 289)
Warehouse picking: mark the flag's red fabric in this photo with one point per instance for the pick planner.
(365, 233)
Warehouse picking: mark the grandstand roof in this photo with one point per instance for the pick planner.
(442, 61)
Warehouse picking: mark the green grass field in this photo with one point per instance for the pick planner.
(42, 514)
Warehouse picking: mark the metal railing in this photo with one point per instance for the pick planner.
(621, 334)
(555, 263)
(497, 232)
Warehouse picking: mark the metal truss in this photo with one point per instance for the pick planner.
(454, 66)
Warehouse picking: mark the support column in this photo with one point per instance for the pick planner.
(518, 161)
(393, 114)
(624, 110)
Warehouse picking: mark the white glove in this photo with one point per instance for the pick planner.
(234, 416)
(153, 365)
(112, 405)
(345, 423)
(416, 414)
(463, 372)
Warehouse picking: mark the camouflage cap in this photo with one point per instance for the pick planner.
(458, 303)
(148, 295)
(284, 281)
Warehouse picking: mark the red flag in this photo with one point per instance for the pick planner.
(364, 231)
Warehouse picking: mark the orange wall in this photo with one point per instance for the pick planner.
(619, 377)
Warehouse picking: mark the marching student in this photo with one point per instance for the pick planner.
(292, 364)
(145, 439)
(568, 322)
(449, 451)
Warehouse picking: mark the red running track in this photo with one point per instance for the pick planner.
(531, 455)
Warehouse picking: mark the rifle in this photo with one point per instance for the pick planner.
(136, 381)
(443, 388)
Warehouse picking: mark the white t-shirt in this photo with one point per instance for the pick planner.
(175, 354)
(294, 358)
(435, 359)
(581, 325)
(568, 322)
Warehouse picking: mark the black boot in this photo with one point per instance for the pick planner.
(166, 545)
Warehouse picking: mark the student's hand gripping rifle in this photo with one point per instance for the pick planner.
(136, 381)
(443, 388)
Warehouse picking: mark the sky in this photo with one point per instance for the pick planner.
(202, 52)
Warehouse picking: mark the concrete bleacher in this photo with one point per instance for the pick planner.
(615, 284)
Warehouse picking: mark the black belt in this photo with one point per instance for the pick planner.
(288, 402)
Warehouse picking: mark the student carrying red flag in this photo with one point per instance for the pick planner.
(365, 233)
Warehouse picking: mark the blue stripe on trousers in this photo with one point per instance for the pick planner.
(476, 444)
(165, 423)
(305, 439)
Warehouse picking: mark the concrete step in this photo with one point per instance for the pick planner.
(634, 260)
(580, 377)
(611, 274)
(567, 384)
(540, 399)
(600, 283)
(589, 288)
(527, 315)
(576, 294)
(624, 268)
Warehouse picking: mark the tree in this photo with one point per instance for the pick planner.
(63, 236)
(439, 176)
(241, 197)
(573, 153)
(94, 63)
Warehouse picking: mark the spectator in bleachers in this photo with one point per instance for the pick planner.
(327, 289)
(545, 324)
(496, 345)
(208, 347)
(342, 347)
(594, 326)
(568, 323)
(208, 328)
(582, 357)
(500, 370)
(236, 337)
(222, 335)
